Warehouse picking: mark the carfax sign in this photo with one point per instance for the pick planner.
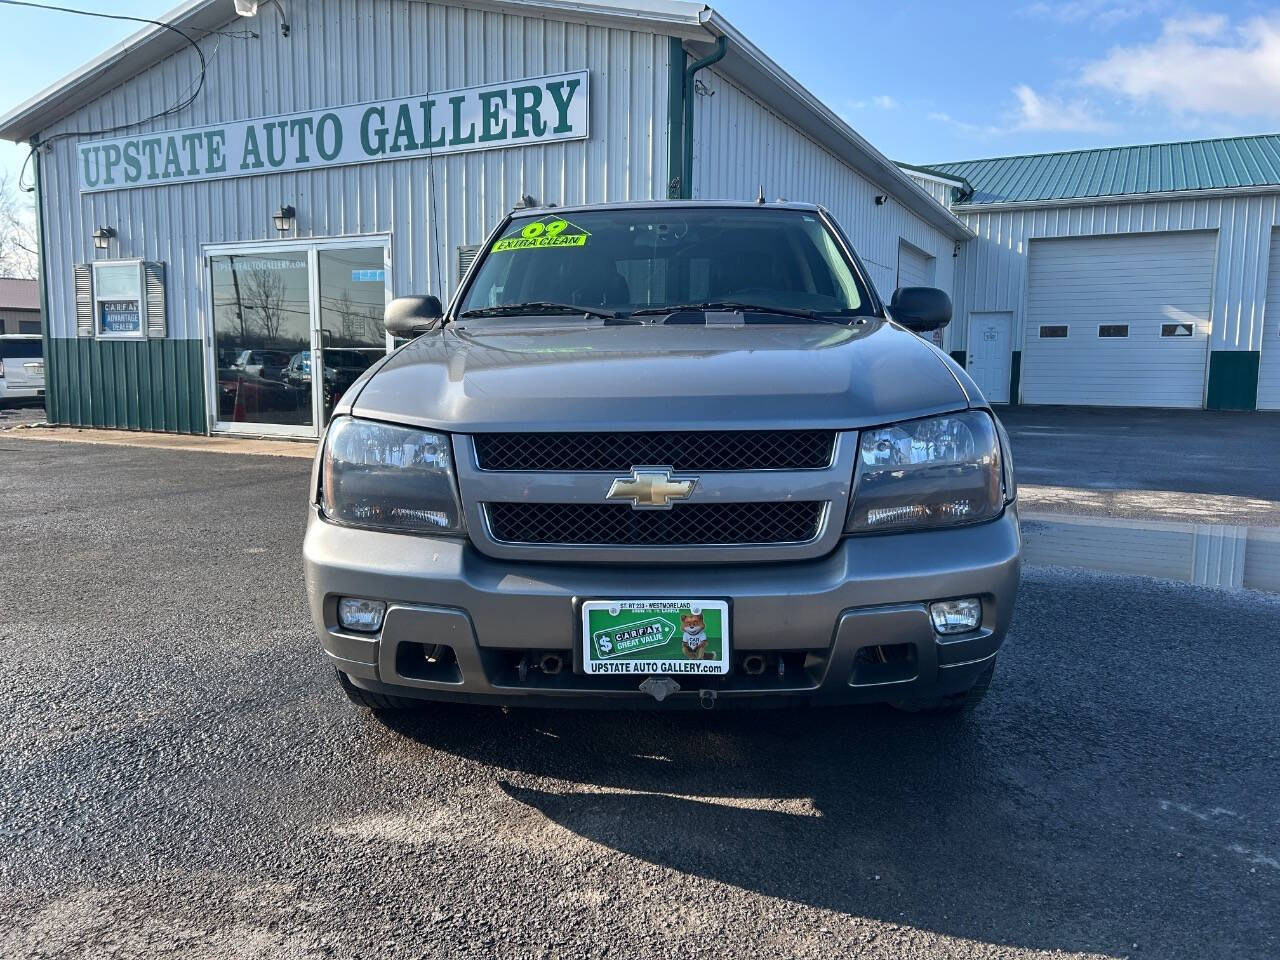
(511, 114)
(655, 636)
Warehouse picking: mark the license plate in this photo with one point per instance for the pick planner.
(655, 636)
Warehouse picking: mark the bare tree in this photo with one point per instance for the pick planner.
(358, 321)
(18, 257)
(263, 295)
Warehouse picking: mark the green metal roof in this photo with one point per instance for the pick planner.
(1120, 171)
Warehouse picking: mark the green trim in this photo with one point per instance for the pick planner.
(722, 47)
(675, 117)
(958, 194)
(1233, 380)
(42, 275)
(960, 356)
(1015, 377)
(127, 384)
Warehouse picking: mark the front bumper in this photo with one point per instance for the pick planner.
(822, 619)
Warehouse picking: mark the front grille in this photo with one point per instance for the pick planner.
(619, 525)
(703, 450)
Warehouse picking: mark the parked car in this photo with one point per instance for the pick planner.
(341, 367)
(669, 453)
(268, 364)
(21, 367)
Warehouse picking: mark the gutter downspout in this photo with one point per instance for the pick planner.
(686, 179)
(42, 275)
(676, 60)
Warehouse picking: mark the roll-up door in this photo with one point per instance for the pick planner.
(1119, 321)
(1269, 362)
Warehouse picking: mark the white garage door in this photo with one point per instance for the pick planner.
(915, 269)
(1118, 321)
(1269, 364)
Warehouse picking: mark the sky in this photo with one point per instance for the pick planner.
(926, 82)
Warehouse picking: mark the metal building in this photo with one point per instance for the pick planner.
(1133, 276)
(195, 263)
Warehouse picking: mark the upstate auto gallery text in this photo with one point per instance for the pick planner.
(476, 118)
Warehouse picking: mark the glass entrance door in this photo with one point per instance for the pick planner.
(292, 328)
(352, 296)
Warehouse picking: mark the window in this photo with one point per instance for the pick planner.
(1113, 331)
(29, 326)
(1057, 331)
(1177, 329)
(653, 258)
(118, 304)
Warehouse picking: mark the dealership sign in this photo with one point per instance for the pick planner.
(494, 115)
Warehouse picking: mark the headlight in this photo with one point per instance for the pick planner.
(389, 478)
(938, 472)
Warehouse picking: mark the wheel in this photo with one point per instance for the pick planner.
(375, 701)
(955, 703)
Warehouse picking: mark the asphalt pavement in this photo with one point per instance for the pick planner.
(180, 775)
(1204, 466)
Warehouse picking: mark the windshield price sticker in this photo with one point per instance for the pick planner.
(543, 234)
(655, 637)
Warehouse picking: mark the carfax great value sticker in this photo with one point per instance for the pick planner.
(655, 636)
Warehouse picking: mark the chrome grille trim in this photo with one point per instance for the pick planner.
(830, 487)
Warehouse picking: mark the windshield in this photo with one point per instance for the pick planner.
(623, 261)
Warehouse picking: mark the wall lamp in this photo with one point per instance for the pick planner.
(283, 218)
(102, 237)
(881, 199)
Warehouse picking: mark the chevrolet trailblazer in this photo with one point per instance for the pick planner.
(671, 453)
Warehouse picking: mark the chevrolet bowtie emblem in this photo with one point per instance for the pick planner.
(652, 488)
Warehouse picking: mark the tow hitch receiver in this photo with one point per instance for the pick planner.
(659, 687)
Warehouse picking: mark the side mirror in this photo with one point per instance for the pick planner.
(409, 316)
(921, 308)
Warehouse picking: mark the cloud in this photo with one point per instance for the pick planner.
(1036, 112)
(1032, 112)
(1096, 13)
(881, 102)
(1200, 64)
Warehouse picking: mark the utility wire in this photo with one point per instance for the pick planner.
(181, 104)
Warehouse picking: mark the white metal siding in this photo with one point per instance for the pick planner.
(915, 269)
(739, 146)
(351, 51)
(1142, 280)
(935, 188)
(1269, 363)
(992, 269)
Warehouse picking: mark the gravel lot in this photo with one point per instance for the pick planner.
(180, 776)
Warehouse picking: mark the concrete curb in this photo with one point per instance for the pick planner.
(251, 446)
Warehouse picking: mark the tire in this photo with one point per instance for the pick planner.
(954, 704)
(377, 702)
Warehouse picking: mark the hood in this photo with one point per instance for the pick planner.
(496, 376)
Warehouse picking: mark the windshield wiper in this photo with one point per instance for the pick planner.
(735, 306)
(534, 308)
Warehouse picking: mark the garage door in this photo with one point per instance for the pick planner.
(1118, 321)
(915, 269)
(1269, 363)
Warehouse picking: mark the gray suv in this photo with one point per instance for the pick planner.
(673, 453)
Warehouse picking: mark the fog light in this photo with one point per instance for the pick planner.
(362, 615)
(956, 616)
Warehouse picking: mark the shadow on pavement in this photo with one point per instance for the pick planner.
(870, 813)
